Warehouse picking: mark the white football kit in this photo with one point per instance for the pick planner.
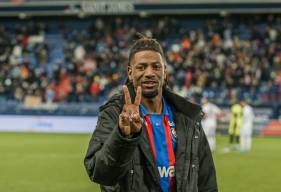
(209, 123)
(247, 128)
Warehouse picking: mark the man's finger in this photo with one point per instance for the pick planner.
(138, 96)
(126, 130)
(127, 95)
(135, 127)
(135, 117)
(124, 118)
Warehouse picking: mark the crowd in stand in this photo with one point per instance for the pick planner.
(223, 58)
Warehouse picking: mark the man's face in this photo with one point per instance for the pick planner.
(242, 103)
(147, 70)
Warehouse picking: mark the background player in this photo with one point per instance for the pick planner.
(247, 127)
(209, 123)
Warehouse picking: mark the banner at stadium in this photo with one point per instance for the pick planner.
(272, 129)
(107, 7)
(55, 124)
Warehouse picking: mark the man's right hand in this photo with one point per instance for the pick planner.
(130, 121)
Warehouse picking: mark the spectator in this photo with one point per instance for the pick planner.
(221, 54)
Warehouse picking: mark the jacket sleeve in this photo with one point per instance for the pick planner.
(109, 153)
(207, 174)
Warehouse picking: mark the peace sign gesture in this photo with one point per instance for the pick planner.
(130, 121)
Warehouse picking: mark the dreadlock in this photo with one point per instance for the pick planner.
(145, 43)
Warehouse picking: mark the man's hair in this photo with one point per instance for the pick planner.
(145, 43)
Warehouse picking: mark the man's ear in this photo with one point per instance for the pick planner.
(165, 73)
(129, 72)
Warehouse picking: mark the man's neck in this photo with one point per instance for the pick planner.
(153, 105)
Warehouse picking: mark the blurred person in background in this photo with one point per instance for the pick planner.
(209, 123)
(149, 138)
(247, 127)
(236, 118)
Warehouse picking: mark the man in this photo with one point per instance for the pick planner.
(148, 138)
(247, 127)
(236, 115)
(209, 122)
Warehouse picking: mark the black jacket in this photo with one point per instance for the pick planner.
(121, 164)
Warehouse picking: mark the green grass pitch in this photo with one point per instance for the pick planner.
(33, 162)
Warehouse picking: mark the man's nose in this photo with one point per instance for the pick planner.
(149, 72)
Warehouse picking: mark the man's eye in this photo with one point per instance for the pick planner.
(157, 66)
(140, 67)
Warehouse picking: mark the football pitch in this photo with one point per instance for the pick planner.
(33, 162)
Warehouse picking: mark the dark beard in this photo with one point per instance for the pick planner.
(150, 95)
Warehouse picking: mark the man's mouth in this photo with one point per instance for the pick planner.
(149, 84)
